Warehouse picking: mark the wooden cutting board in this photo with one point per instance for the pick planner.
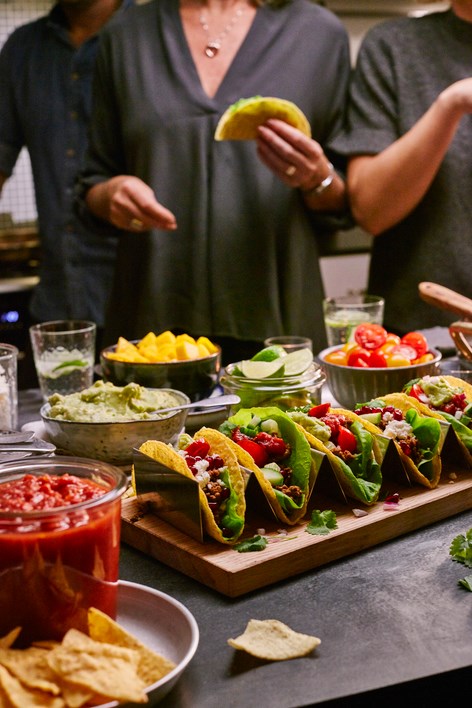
(295, 551)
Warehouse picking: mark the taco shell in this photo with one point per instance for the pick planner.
(365, 490)
(167, 455)
(241, 120)
(404, 403)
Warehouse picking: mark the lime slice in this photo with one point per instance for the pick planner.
(275, 351)
(298, 361)
(262, 369)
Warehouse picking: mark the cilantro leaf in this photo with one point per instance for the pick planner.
(256, 543)
(322, 522)
(466, 582)
(461, 548)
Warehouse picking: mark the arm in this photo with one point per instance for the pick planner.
(386, 187)
(282, 147)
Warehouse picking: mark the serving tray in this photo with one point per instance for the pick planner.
(291, 549)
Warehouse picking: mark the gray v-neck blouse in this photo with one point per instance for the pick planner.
(243, 262)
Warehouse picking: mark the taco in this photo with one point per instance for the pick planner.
(448, 398)
(417, 436)
(352, 450)
(268, 442)
(241, 120)
(209, 459)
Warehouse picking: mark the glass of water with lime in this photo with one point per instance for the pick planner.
(64, 355)
(343, 314)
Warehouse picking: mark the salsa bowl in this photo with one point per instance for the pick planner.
(350, 385)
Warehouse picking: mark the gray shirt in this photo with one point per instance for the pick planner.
(243, 262)
(402, 66)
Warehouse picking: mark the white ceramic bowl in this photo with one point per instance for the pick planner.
(113, 442)
(350, 385)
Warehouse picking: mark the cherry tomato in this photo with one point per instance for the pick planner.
(405, 351)
(347, 440)
(370, 336)
(397, 360)
(377, 359)
(337, 357)
(422, 359)
(359, 357)
(416, 340)
(392, 338)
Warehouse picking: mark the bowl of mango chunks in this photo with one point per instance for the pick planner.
(165, 360)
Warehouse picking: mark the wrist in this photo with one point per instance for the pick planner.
(323, 185)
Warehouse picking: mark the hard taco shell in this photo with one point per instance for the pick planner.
(241, 120)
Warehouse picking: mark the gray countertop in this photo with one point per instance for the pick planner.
(393, 624)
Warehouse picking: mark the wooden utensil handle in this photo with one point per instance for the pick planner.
(446, 299)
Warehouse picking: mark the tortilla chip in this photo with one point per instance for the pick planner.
(20, 696)
(168, 456)
(151, 665)
(274, 641)
(30, 666)
(241, 120)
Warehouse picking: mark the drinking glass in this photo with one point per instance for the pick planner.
(64, 355)
(8, 387)
(289, 343)
(343, 314)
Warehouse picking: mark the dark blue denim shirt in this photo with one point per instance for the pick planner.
(46, 94)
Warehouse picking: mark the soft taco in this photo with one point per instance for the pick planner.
(417, 437)
(209, 459)
(448, 398)
(352, 450)
(241, 120)
(268, 442)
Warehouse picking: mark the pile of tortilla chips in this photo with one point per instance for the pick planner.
(108, 664)
(162, 347)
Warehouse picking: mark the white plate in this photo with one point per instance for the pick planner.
(162, 624)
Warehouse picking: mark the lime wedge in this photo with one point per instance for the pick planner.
(262, 369)
(297, 362)
(275, 351)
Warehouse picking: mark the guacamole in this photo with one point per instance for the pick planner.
(106, 403)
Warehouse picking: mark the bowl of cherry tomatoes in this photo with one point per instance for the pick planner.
(375, 362)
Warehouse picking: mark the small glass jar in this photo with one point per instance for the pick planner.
(57, 562)
(283, 392)
(8, 387)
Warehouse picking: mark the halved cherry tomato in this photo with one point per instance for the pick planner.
(377, 359)
(417, 392)
(347, 440)
(416, 340)
(405, 351)
(359, 357)
(370, 336)
(337, 357)
(397, 360)
(423, 359)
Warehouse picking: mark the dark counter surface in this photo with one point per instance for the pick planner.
(393, 623)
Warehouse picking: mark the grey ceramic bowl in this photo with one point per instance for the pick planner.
(113, 442)
(196, 377)
(350, 385)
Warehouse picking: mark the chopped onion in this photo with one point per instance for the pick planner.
(359, 512)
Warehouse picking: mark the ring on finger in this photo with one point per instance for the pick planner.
(290, 171)
(136, 224)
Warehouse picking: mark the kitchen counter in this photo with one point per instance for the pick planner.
(393, 624)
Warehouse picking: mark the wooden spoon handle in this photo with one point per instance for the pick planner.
(446, 299)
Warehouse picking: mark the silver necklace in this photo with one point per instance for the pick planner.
(213, 46)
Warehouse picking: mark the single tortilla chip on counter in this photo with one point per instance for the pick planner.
(241, 120)
(273, 640)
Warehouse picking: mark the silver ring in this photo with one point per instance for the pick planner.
(290, 171)
(136, 224)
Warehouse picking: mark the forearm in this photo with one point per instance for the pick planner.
(385, 188)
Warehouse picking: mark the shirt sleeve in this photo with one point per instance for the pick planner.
(11, 134)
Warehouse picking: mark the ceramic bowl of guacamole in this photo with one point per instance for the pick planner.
(105, 422)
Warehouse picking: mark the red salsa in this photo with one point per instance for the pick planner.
(59, 553)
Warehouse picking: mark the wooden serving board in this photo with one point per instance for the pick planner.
(231, 573)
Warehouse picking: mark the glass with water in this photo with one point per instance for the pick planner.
(343, 314)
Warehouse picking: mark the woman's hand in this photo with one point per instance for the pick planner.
(128, 203)
(296, 159)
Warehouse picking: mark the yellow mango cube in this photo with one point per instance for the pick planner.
(186, 350)
(209, 346)
(166, 337)
(148, 341)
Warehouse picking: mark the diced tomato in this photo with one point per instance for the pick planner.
(370, 336)
(347, 440)
(417, 392)
(198, 448)
(257, 452)
(359, 358)
(377, 359)
(319, 411)
(416, 340)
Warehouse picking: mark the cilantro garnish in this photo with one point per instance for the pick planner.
(256, 543)
(461, 551)
(322, 522)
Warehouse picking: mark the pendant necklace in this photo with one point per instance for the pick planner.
(213, 46)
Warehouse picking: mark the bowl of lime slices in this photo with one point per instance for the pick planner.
(274, 378)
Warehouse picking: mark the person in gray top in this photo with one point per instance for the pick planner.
(216, 238)
(409, 142)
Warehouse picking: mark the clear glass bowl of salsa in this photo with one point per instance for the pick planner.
(60, 523)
